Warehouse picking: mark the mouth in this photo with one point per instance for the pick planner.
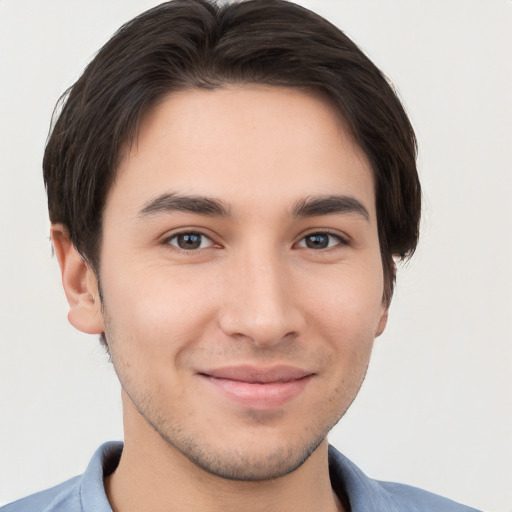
(258, 388)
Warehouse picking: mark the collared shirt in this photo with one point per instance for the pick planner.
(86, 493)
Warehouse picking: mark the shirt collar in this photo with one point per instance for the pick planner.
(362, 493)
(92, 490)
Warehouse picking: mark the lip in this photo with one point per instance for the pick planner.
(256, 387)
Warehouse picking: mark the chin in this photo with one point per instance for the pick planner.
(249, 464)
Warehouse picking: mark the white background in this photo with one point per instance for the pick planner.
(436, 409)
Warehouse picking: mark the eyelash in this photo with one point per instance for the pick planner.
(339, 240)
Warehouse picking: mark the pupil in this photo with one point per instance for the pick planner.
(317, 241)
(189, 241)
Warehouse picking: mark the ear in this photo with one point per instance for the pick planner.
(383, 320)
(79, 282)
(386, 298)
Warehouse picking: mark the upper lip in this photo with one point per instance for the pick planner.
(254, 374)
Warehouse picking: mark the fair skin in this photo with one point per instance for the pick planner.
(242, 291)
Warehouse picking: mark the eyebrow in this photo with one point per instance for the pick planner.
(199, 205)
(167, 203)
(327, 205)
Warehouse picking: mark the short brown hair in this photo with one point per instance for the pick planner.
(198, 44)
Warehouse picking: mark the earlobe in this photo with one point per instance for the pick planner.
(383, 320)
(79, 282)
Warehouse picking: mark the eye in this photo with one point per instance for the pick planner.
(190, 241)
(321, 241)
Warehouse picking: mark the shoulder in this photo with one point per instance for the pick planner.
(368, 495)
(412, 498)
(62, 497)
(83, 493)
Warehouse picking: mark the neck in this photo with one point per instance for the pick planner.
(153, 476)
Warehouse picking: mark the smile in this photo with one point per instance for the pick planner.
(258, 388)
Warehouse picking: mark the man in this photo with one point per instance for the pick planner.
(228, 189)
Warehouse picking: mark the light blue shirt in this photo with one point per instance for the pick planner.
(86, 493)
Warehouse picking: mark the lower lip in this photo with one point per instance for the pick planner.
(259, 396)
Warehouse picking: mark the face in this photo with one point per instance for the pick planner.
(241, 277)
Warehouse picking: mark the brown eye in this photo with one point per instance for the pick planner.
(190, 241)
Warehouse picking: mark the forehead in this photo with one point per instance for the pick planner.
(243, 144)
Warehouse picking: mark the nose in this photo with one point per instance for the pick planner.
(261, 303)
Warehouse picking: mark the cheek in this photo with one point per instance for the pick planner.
(154, 314)
(350, 300)
(346, 310)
